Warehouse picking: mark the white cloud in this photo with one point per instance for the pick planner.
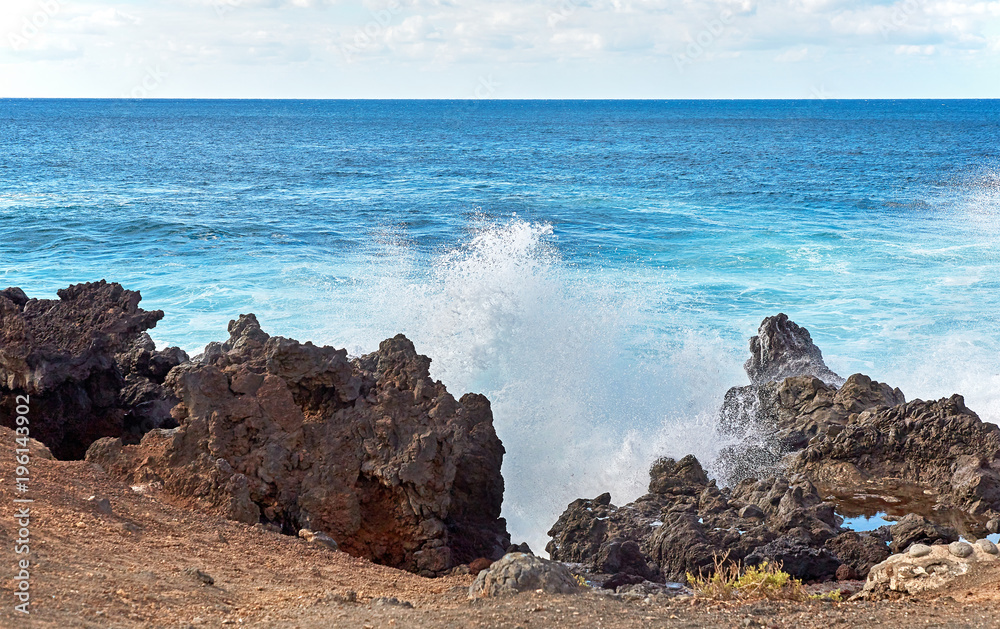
(420, 36)
(793, 56)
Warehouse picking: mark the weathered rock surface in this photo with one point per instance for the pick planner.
(793, 398)
(685, 522)
(521, 572)
(916, 529)
(856, 439)
(61, 353)
(783, 349)
(144, 395)
(939, 444)
(776, 418)
(926, 568)
(859, 551)
(372, 452)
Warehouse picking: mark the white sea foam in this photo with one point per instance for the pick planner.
(588, 384)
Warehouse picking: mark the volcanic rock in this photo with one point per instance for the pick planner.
(148, 402)
(320, 539)
(917, 572)
(940, 444)
(372, 452)
(797, 558)
(685, 523)
(793, 398)
(520, 572)
(859, 551)
(916, 529)
(61, 353)
(782, 349)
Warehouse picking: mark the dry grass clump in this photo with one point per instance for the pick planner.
(731, 581)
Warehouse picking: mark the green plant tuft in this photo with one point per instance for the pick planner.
(731, 581)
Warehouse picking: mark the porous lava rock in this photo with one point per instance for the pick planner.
(521, 572)
(371, 452)
(783, 349)
(685, 523)
(793, 399)
(939, 444)
(147, 400)
(916, 529)
(859, 550)
(61, 354)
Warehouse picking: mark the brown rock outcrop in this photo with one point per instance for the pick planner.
(61, 353)
(371, 452)
(783, 349)
(685, 522)
(940, 444)
(776, 418)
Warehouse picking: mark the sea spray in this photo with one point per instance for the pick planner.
(587, 389)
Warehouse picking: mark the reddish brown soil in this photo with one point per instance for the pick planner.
(130, 569)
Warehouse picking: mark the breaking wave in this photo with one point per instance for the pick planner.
(588, 384)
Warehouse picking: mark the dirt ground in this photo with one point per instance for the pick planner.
(137, 567)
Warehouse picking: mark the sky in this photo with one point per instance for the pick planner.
(657, 49)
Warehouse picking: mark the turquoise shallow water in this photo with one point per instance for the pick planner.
(595, 268)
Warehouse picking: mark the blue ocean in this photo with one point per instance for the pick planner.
(594, 267)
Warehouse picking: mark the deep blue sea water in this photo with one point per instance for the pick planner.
(594, 267)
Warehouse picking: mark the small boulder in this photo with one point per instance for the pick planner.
(520, 548)
(202, 577)
(860, 551)
(623, 557)
(914, 529)
(318, 537)
(103, 505)
(796, 558)
(987, 546)
(960, 549)
(846, 573)
(520, 572)
(923, 568)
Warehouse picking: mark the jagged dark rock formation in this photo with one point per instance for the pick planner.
(685, 522)
(941, 444)
(860, 551)
(773, 419)
(371, 452)
(848, 437)
(782, 349)
(148, 402)
(62, 354)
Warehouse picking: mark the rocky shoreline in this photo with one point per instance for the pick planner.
(371, 456)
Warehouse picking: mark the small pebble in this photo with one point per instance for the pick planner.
(960, 549)
(204, 577)
(103, 505)
(319, 538)
(987, 546)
